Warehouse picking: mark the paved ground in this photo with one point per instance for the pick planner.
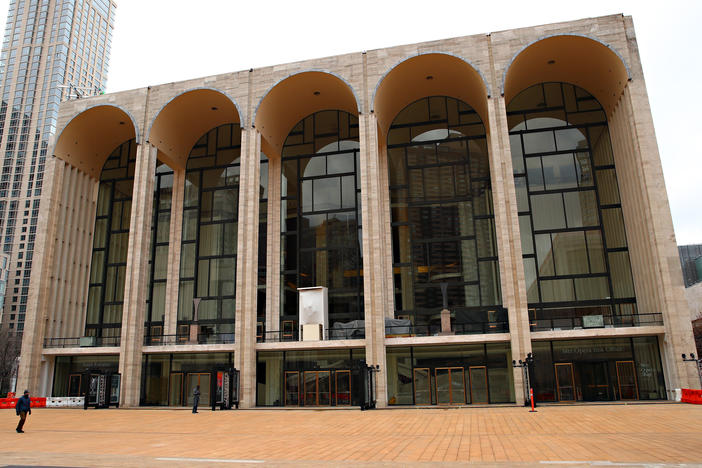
(611, 435)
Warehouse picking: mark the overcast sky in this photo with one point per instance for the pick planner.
(160, 41)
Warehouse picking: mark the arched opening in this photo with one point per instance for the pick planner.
(321, 215)
(110, 242)
(183, 121)
(443, 226)
(578, 60)
(574, 245)
(209, 236)
(293, 99)
(430, 74)
(88, 139)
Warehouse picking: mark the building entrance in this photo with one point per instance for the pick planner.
(181, 386)
(565, 381)
(626, 380)
(318, 388)
(450, 386)
(595, 380)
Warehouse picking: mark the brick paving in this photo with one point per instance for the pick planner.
(489, 436)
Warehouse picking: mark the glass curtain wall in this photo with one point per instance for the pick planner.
(443, 226)
(321, 215)
(160, 228)
(450, 375)
(576, 260)
(110, 240)
(210, 216)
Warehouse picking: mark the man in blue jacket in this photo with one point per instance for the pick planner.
(23, 408)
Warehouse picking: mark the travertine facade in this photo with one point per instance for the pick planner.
(485, 71)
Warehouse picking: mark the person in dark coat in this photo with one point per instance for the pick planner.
(196, 398)
(23, 408)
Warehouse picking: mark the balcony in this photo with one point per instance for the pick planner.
(594, 321)
(82, 342)
(184, 339)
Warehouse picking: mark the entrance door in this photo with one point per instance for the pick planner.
(626, 376)
(422, 386)
(450, 386)
(478, 384)
(292, 388)
(343, 387)
(175, 389)
(565, 381)
(74, 381)
(317, 388)
(192, 380)
(594, 381)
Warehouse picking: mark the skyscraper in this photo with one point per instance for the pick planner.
(52, 50)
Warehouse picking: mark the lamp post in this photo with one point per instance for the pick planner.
(527, 365)
(692, 358)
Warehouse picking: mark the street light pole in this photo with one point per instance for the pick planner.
(527, 364)
(692, 358)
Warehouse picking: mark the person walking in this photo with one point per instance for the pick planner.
(23, 408)
(196, 398)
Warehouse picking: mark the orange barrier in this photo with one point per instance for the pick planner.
(691, 396)
(9, 403)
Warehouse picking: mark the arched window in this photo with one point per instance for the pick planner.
(210, 220)
(110, 239)
(576, 260)
(443, 226)
(321, 213)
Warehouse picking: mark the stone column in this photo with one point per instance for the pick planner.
(247, 266)
(137, 277)
(175, 234)
(509, 248)
(375, 277)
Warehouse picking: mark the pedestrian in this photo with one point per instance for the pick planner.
(23, 408)
(196, 398)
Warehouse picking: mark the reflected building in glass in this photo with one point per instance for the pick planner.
(392, 227)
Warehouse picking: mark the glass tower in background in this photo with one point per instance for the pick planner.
(52, 50)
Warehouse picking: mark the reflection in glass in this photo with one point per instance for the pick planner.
(109, 259)
(572, 230)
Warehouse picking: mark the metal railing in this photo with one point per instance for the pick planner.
(597, 321)
(202, 338)
(82, 342)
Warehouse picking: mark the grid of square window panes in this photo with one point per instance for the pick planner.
(576, 260)
(110, 240)
(443, 226)
(262, 237)
(158, 262)
(210, 214)
(321, 215)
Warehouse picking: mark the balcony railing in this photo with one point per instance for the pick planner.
(595, 321)
(202, 338)
(82, 342)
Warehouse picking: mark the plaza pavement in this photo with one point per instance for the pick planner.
(579, 435)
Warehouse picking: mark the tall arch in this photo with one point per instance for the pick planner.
(88, 138)
(184, 119)
(431, 74)
(579, 60)
(294, 98)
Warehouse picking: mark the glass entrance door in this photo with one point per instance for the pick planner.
(478, 384)
(342, 396)
(450, 386)
(74, 381)
(565, 381)
(175, 389)
(626, 376)
(594, 381)
(292, 388)
(422, 386)
(317, 388)
(203, 380)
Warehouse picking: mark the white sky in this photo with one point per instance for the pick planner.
(161, 41)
